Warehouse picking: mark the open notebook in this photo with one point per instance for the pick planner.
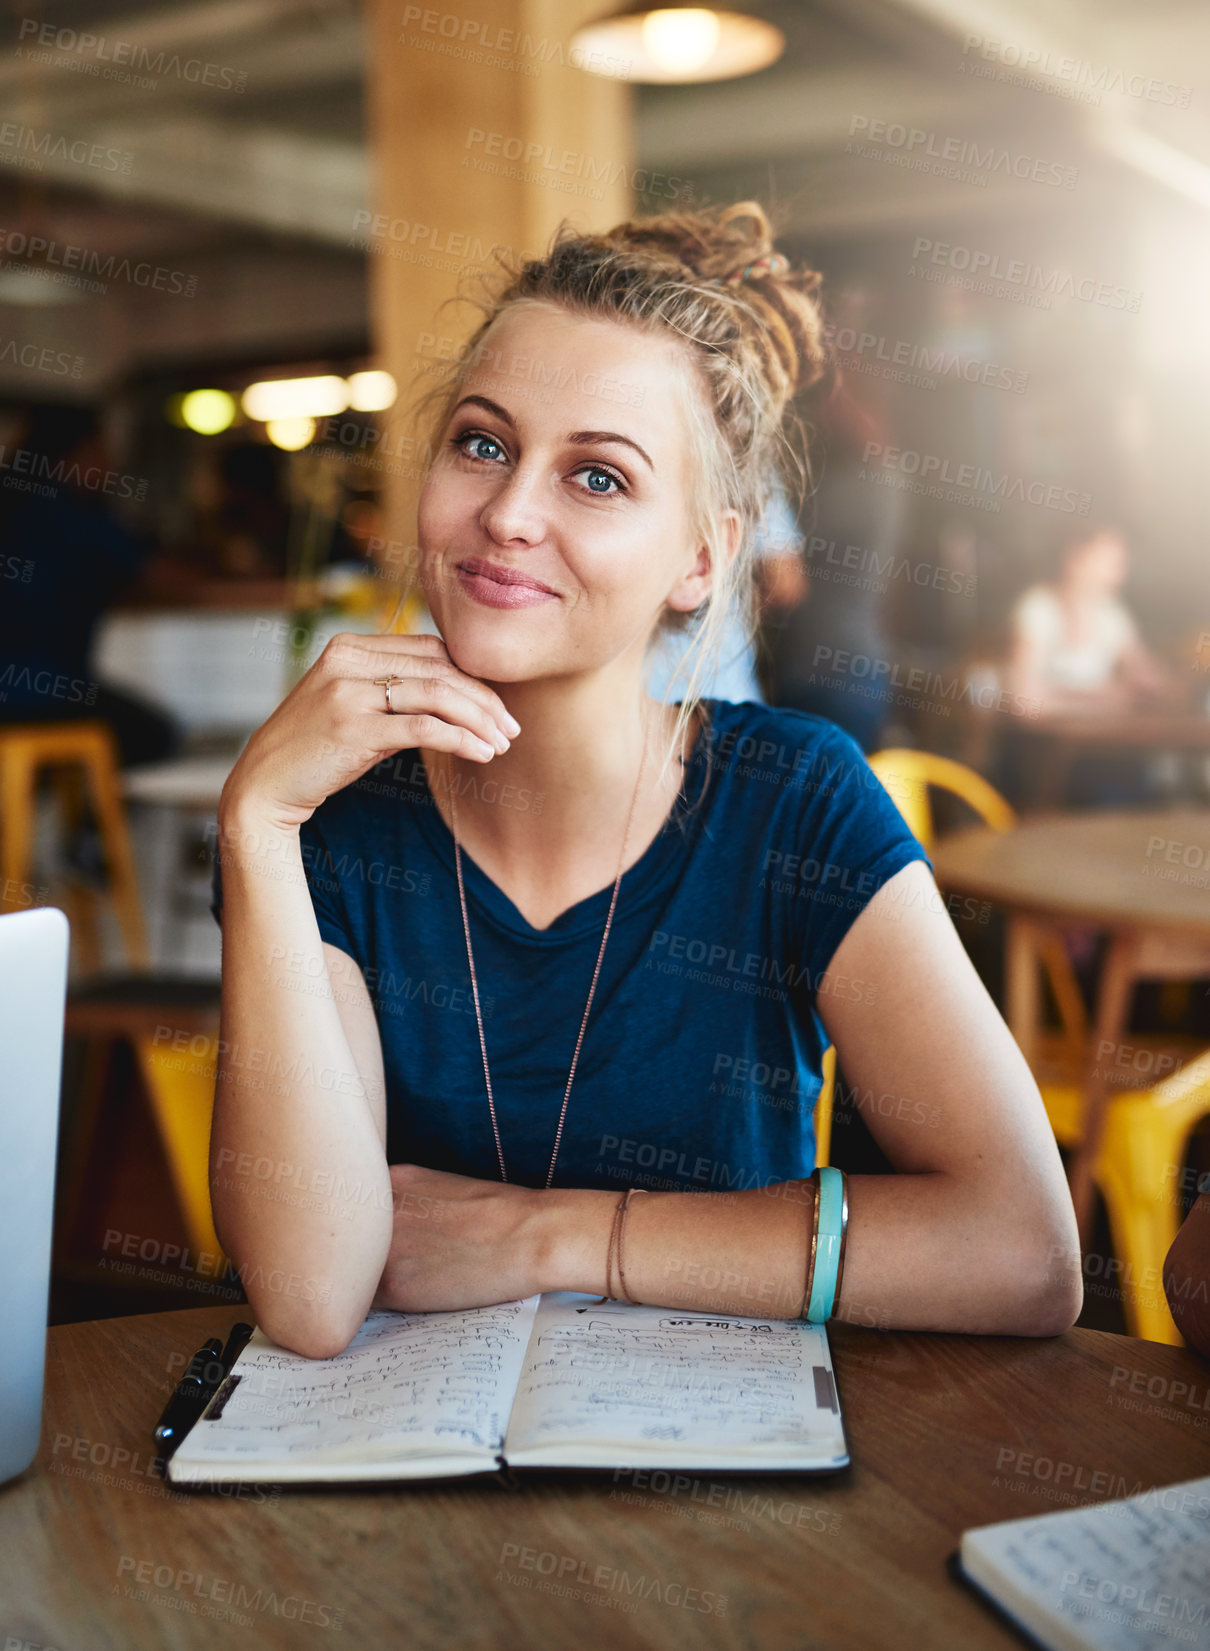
(1112, 1577)
(558, 1380)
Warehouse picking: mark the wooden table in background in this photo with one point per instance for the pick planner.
(1143, 878)
(1063, 739)
(945, 1432)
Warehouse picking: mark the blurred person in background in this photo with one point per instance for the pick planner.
(64, 560)
(855, 526)
(780, 583)
(1075, 645)
(1075, 649)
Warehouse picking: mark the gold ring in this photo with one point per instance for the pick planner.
(388, 682)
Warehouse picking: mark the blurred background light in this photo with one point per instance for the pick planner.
(295, 398)
(25, 286)
(209, 412)
(290, 433)
(371, 392)
(666, 44)
(681, 42)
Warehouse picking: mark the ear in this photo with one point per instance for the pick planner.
(693, 587)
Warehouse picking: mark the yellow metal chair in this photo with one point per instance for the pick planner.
(1138, 1168)
(181, 1090)
(75, 755)
(823, 1109)
(1146, 1130)
(172, 1026)
(81, 759)
(908, 777)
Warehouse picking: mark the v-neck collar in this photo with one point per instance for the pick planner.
(640, 882)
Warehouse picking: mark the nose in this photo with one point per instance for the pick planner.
(514, 513)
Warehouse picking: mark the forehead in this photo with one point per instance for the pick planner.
(547, 365)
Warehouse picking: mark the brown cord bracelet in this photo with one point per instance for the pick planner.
(623, 1209)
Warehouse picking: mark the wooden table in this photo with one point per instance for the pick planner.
(1144, 878)
(1061, 739)
(945, 1432)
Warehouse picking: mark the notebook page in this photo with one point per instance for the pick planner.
(616, 1385)
(1112, 1577)
(413, 1395)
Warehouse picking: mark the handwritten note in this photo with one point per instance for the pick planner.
(628, 1383)
(560, 1380)
(409, 1386)
(1117, 1576)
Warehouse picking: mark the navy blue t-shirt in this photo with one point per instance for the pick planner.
(701, 1061)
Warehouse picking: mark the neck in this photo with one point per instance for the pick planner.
(1079, 595)
(570, 772)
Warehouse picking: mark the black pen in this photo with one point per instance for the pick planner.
(204, 1375)
(205, 1363)
(180, 1413)
(237, 1340)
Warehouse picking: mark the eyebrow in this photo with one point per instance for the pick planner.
(580, 438)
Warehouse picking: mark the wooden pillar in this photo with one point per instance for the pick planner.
(481, 134)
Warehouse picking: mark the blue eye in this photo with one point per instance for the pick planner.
(467, 440)
(462, 443)
(595, 470)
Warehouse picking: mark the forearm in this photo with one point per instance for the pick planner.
(923, 1252)
(300, 1184)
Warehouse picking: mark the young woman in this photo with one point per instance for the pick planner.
(1075, 645)
(504, 937)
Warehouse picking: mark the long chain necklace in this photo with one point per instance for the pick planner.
(466, 929)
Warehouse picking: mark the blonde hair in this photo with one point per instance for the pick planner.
(754, 332)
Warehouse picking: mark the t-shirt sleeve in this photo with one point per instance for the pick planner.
(1036, 619)
(319, 869)
(853, 839)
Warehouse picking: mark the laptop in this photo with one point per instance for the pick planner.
(33, 997)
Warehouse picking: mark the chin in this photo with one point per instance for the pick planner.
(491, 657)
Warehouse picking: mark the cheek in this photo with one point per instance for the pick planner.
(434, 509)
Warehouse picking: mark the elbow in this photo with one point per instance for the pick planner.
(1031, 1277)
(315, 1334)
(311, 1313)
(1049, 1277)
(1047, 1264)
(1057, 1307)
(304, 1315)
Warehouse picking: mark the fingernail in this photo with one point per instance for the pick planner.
(483, 749)
(511, 723)
(502, 741)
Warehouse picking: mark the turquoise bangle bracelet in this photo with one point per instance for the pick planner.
(827, 1255)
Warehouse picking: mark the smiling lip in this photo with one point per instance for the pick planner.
(497, 586)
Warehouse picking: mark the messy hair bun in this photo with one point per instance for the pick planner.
(733, 246)
(751, 322)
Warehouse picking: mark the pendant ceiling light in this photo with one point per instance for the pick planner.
(673, 43)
